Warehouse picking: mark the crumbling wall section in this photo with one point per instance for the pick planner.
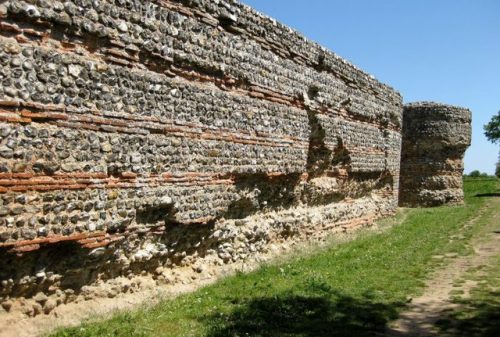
(140, 137)
(435, 137)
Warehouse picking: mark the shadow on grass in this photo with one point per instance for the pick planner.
(474, 319)
(330, 314)
(482, 195)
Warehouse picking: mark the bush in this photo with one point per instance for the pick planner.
(475, 174)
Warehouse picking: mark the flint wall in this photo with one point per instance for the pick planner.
(435, 137)
(138, 137)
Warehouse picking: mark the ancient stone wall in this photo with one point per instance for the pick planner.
(140, 137)
(435, 137)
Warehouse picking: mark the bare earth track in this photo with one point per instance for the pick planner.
(426, 310)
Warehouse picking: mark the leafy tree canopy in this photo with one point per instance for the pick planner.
(477, 173)
(492, 129)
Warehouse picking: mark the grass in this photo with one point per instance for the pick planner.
(347, 289)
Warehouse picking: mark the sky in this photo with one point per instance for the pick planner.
(446, 51)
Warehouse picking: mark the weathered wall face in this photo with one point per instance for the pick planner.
(139, 137)
(435, 137)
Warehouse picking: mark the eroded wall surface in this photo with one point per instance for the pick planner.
(140, 137)
(435, 137)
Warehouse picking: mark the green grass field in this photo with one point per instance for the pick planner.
(347, 289)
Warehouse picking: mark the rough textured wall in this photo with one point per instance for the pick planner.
(139, 137)
(435, 137)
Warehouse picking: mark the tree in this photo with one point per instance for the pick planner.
(475, 174)
(492, 132)
(492, 129)
(497, 167)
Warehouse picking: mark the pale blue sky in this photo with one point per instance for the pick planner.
(441, 50)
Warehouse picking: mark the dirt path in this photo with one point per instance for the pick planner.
(424, 311)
